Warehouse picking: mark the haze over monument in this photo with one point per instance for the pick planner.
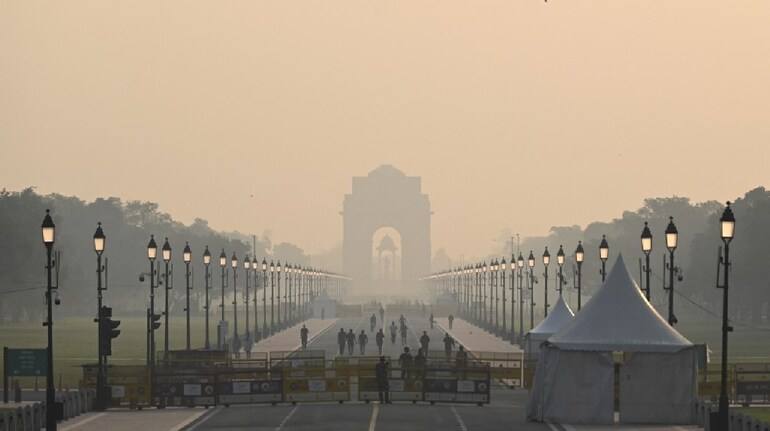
(517, 115)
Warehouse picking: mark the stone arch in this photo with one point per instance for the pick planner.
(386, 198)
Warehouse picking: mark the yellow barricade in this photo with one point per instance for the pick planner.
(129, 384)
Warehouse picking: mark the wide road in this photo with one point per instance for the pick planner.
(505, 412)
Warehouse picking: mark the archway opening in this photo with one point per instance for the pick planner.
(386, 254)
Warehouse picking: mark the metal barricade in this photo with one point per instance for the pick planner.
(464, 382)
(249, 381)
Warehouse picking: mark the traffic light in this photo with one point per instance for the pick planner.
(155, 321)
(107, 330)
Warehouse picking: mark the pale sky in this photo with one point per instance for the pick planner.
(517, 115)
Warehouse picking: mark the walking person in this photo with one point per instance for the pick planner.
(380, 339)
(382, 314)
(351, 338)
(372, 323)
(419, 364)
(449, 343)
(402, 320)
(362, 340)
(403, 335)
(393, 331)
(461, 361)
(247, 345)
(381, 374)
(405, 362)
(430, 319)
(303, 336)
(341, 338)
(451, 319)
(424, 340)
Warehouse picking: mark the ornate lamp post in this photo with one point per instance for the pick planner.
(152, 253)
(264, 295)
(560, 262)
(502, 287)
(206, 263)
(278, 293)
(604, 254)
(49, 235)
(99, 241)
(579, 256)
(187, 257)
(272, 298)
(287, 295)
(255, 268)
(727, 228)
(646, 249)
(672, 237)
(222, 327)
(247, 270)
(546, 261)
(234, 264)
(531, 264)
(166, 258)
(520, 265)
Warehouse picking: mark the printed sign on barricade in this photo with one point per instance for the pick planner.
(130, 384)
(249, 391)
(468, 383)
(307, 380)
(185, 390)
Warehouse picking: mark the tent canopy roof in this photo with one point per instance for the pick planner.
(619, 318)
(560, 316)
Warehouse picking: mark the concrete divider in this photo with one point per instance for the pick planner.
(737, 421)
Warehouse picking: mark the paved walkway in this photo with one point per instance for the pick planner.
(288, 340)
(130, 420)
(475, 339)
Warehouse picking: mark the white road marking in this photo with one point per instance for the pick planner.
(373, 420)
(286, 419)
(213, 412)
(459, 420)
(83, 422)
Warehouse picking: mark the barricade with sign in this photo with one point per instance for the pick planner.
(249, 381)
(752, 383)
(188, 377)
(449, 381)
(308, 377)
(504, 366)
(129, 384)
(404, 386)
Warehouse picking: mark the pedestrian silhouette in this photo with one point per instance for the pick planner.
(303, 336)
(362, 340)
(424, 340)
(380, 339)
(351, 342)
(405, 362)
(341, 338)
(381, 374)
(393, 331)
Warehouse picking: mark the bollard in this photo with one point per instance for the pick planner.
(4, 422)
(37, 417)
(16, 391)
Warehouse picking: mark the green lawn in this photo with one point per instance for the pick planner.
(75, 341)
(761, 413)
(743, 342)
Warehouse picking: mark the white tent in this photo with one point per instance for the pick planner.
(575, 377)
(560, 316)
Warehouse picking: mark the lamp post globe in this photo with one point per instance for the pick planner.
(604, 254)
(560, 257)
(579, 257)
(166, 255)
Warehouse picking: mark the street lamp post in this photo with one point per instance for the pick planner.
(255, 268)
(672, 237)
(520, 264)
(221, 328)
(247, 270)
(99, 242)
(560, 261)
(264, 296)
(272, 298)
(484, 312)
(206, 263)
(236, 340)
(502, 287)
(546, 261)
(287, 294)
(152, 253)
(646, 249)
(513, 298)
(579, 256)
(187, 257)
(166, 258)
(727, 228)
(531, 264)
(278, 294)
(604, 254)
(49, 235)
